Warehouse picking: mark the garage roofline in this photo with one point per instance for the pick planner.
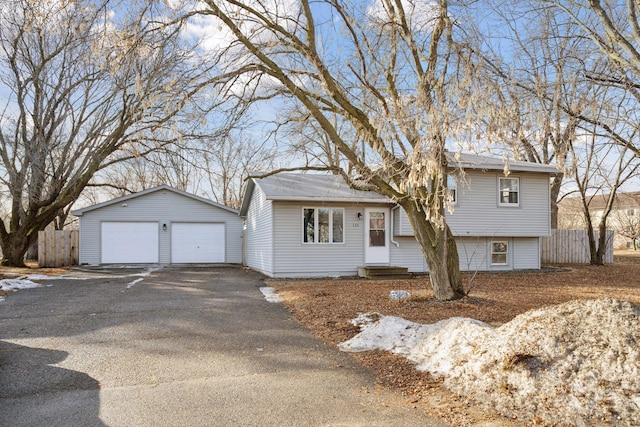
(164, 187)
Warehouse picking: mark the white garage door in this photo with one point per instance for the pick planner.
(197, 242)
(129, 242)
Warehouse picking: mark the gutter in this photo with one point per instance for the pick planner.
(393, 216)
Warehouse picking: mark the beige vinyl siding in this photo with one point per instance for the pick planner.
(294, 258)
(259, 233)
(526, 253)
(163, 207)
(401, 224)
(408, 254)
(473, 253)
(477, 212)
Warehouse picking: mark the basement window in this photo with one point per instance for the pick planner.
(499, 252)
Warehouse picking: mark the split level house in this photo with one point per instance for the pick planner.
(315, 225)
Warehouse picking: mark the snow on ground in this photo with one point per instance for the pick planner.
(576, 363)
(27, 282)
(270, 294)
(19, 283)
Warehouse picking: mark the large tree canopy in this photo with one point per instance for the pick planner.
(389, 84)
(83, 85)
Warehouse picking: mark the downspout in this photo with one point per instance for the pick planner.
(393, 217)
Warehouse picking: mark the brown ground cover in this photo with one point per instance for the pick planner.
(327, 306)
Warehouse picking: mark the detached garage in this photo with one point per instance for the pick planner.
(160, 225)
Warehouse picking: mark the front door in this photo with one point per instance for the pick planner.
(376, 239)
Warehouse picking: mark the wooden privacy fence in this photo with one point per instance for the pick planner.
(572, 247)
(58, 248)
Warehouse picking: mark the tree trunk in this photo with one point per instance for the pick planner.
(441, 253)
(14, 248)
(602, 242)
(556, 184)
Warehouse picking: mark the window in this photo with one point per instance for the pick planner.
(377, 229)
(323, 225)
(509, 192)
(499, 252)
(452, 187)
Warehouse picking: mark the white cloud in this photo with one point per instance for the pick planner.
(419, 13)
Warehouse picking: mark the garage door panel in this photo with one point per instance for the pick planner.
(197, 242)
(129, 242)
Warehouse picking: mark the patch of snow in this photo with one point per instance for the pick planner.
(576, 363)
(147, 272)
(42, 277)
(399, 295)
(16, 284)
(134, 282)
(270, 294)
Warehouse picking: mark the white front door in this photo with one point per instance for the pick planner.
(376, 236)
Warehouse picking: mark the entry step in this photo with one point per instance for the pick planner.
(383, 272)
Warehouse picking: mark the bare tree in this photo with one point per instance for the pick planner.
(84, 85)
(396, 72)
(600, 171)
(229, 162)
(627, 224)
(540, 89)
(613, 29)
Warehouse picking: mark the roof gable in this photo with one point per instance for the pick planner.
(478, 162)
(80, 212)
(312, 187)
(299, 186)
(333, 188)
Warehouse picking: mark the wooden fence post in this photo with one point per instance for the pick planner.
(58, 248)
(571, 247)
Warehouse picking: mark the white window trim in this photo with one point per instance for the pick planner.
(315, 226)
(454, 201)
(506, 253)
(508, 205)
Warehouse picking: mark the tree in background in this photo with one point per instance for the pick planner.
(627, 224)
(539, 88)
(398, 75)
(613, 115)
(84, 85)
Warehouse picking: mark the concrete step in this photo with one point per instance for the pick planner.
(383, 272)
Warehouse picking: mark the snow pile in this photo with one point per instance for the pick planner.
(19, 283)
(577, 363)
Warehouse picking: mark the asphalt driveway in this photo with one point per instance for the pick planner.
(175, 347)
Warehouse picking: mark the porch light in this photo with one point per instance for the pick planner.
(164, 227)
(359, 215)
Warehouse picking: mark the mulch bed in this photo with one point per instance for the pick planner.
(327, 306)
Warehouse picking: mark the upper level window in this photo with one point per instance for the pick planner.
(509, 192)
(323, 225)
(452, 188)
